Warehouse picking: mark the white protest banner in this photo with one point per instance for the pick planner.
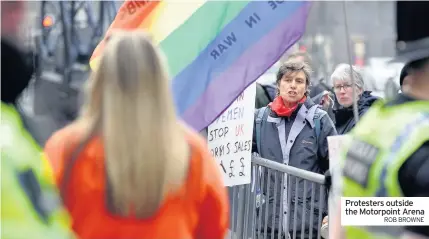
(336, 146)
(230, 138)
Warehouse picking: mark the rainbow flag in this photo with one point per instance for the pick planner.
(214, 49)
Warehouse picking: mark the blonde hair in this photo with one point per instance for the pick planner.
(130, 105)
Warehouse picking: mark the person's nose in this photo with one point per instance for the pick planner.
(293, 85)
(342, 90)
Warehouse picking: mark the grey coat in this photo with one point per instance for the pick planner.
(292, 141)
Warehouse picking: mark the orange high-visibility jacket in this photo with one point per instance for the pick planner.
(201, 213)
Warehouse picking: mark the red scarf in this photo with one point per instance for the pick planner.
(279, 107)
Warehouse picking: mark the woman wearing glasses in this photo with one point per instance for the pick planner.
(343, 111)
(343, 88)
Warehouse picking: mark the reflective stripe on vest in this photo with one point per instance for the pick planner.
(375, 232)
(400, 140)
(30, 200)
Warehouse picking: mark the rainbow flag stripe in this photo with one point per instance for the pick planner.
(214, 49)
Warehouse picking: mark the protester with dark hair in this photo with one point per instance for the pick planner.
(266, 93)
(319, 92)
(292, 130)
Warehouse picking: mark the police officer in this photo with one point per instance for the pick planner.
(389, 151)
(30, 206)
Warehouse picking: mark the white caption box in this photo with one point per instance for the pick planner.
(384, 211)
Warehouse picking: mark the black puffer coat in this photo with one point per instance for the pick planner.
(344, 119)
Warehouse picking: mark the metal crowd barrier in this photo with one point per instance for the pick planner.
(281, 202)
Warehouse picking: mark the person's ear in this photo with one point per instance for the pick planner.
(277, 88)
(407, 80)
